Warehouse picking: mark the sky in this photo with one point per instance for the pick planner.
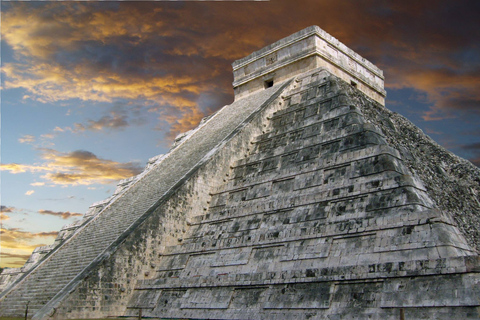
(91, 90)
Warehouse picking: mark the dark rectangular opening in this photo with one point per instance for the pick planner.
(268, 83)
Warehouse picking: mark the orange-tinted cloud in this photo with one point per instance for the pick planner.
(189, 120)
(23, 257)
(77, 168)
(96, 66)
(449, 93)
(17, 243)
(20, 168)
(63, 214)
(16, 235)
(171, 54)
(13, 260)
(85, 168)
(51, 82)
(129, 52)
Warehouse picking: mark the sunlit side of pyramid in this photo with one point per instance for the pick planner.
(303, 199)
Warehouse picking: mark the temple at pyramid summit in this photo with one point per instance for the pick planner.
(306, 198)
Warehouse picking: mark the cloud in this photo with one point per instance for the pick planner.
(66, 53)
(17, 240)
(120, 116)
(64, 215)
(432, 131)
(89, 85)
(6, 209)
(13, 260)
(13, 255)
(171, 54)
(29, 192)
(473, 146)
(84, 168)
(189, 120)
(27, 139)
(17, 243)
(474, 132)
(450, 93)
(17, 234)
(76, 168)
(113, 121)
(474, 150)
(431, 48)
(21, 168)
(37, 184)
(47, 136)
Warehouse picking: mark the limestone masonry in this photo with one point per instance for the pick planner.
(303, 51)
(303, 199)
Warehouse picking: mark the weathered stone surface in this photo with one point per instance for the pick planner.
(306, 50)
(451, 182)
(307, 200)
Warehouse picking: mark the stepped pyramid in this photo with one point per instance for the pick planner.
(303, 199)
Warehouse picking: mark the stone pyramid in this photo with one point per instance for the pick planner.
(303, 199)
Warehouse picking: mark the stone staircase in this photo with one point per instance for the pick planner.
(59, 274)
